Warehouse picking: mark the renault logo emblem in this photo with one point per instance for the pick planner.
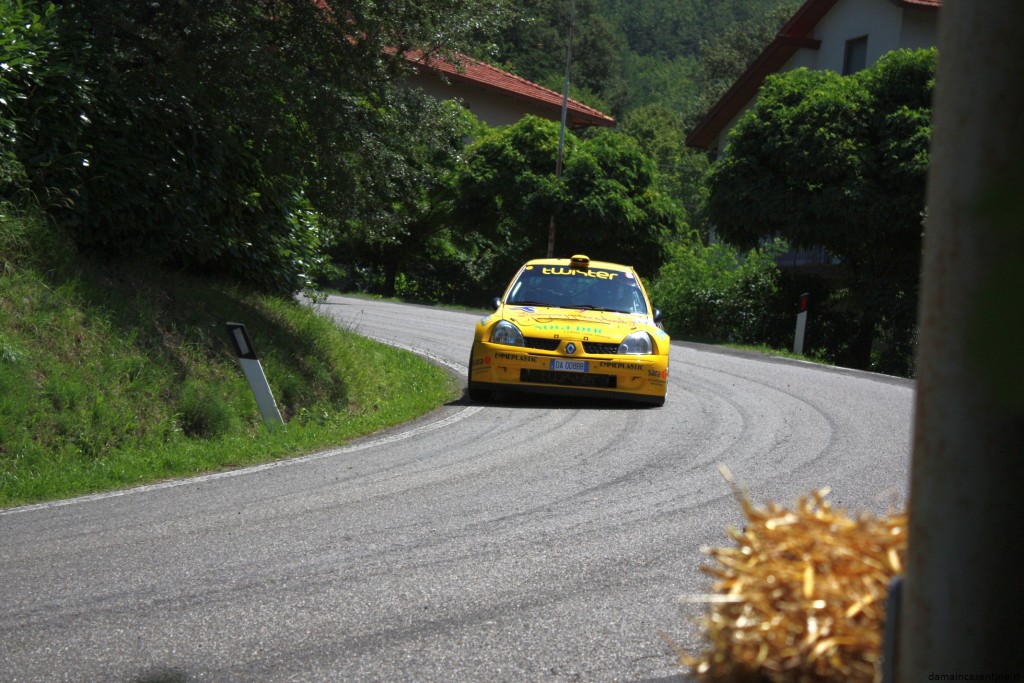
(570, 348)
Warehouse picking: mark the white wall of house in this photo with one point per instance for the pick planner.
(920, 29)
(880, 20)
(886, 25)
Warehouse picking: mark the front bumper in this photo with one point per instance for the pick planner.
(511, 368)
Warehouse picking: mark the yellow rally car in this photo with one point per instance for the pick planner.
(574, 327)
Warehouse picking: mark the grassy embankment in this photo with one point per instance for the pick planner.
(115, 375)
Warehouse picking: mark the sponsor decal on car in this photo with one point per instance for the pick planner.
(599, 274)
(523, 358)
(661, 374)
(569, 328)
(619, 365)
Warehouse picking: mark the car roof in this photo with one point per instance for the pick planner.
(608, 265)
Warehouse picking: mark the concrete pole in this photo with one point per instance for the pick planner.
(963, 593)
(561, 129)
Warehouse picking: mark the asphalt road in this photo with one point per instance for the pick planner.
(530, 540)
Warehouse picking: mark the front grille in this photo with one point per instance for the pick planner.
(542, 344)
(595, 348)
(568, 379)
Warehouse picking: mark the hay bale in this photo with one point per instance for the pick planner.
(801, 596)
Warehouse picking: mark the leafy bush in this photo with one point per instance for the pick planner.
(712, 293)
(38, 95)
(606, 205)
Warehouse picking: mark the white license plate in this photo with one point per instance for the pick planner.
(570, 365)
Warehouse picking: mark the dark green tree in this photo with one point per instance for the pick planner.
(660, 132)
(607, 204)
(237, 137)
(42, 95)
(413, 209)
(534, 47)
(725, 54)
(840, 162)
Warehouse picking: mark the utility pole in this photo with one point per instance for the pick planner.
(962, 600)
(561, 131)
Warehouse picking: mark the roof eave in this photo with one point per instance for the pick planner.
(577, 113)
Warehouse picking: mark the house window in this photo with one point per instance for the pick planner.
(856, 57)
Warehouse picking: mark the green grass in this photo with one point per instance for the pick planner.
(782, 353)
(113, 375)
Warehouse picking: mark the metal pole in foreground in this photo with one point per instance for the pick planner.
(561, 131)
(962, 605)
(254, 374)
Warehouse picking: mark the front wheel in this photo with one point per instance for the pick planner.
(478, 395)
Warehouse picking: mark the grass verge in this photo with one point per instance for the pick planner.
(781, 353)
(113, 375)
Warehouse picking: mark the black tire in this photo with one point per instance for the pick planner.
(478, 395)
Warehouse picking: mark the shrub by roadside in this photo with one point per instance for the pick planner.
(712, 293)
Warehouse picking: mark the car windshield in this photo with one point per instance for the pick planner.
(591, 288)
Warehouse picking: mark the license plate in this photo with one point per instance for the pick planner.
(570, 365)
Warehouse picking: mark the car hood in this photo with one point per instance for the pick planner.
(541, 321)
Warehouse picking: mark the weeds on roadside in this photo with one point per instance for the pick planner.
(113, 375)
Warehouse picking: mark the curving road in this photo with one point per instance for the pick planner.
(523, 541)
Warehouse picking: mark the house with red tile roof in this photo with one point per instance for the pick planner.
(838, 35)
(495, 96)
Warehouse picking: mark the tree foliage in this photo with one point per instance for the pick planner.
(725, 54)
(235, 137)
(660, 132)
(534, 47)
(607, 203)
(43, 93)
(839, 162)
(714, 293)
(628, 54)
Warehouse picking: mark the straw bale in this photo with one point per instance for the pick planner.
(800, 596)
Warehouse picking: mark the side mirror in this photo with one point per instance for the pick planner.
(657, 315)
(496, 302)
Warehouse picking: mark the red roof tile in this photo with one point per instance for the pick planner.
(492, 78)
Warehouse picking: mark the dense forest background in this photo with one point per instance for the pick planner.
(629, 55)
(276, 144)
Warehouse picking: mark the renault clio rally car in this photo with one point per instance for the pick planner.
(572, 327)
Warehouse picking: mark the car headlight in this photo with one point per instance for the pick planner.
(507, 333)
(638, 343)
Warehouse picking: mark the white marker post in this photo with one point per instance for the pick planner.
(801, 324)
(254, 373)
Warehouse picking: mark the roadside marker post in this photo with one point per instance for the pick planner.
(801, 324)
(254, 374)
